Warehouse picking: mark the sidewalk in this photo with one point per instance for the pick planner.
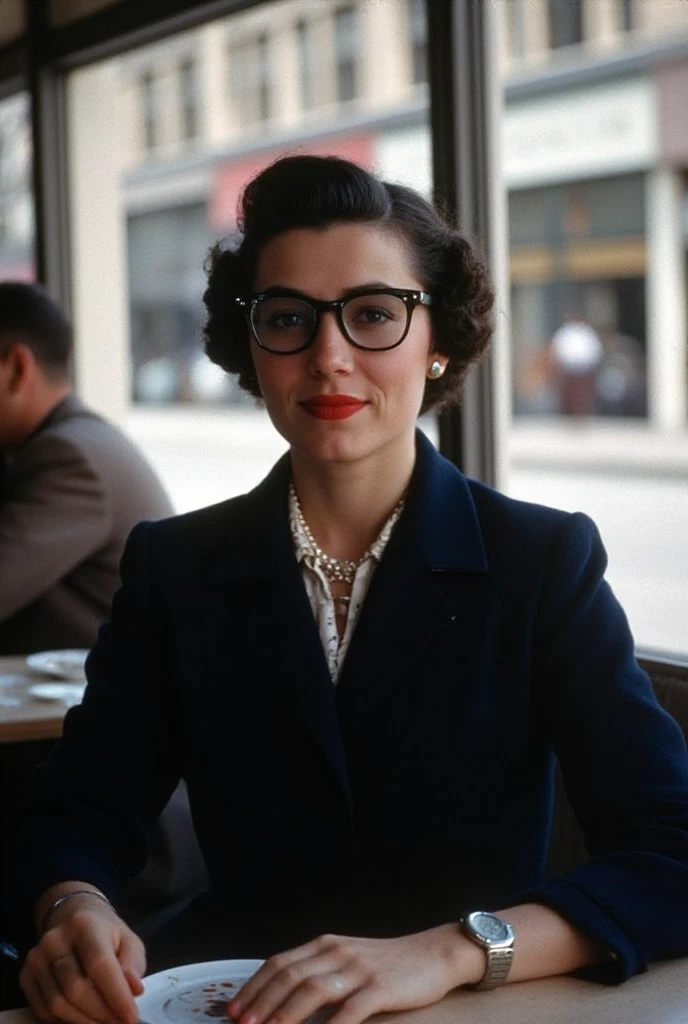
(616, 447)
(619, 447)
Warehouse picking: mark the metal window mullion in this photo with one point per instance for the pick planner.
(49, 173)
(459, 65)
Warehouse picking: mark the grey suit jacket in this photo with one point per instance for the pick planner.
(68, 502)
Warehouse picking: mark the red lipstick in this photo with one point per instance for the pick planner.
(332, 407)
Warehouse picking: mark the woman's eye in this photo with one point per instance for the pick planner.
(372, 315)
(286, 321)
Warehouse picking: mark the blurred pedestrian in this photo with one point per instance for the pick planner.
(576, 353)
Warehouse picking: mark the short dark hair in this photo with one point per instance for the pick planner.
(28, 313)
(313, 192)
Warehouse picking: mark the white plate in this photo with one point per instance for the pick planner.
(69, 693)
(68, 664)
(193, 993)
(198, 993)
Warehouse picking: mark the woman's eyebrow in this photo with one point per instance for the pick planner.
(277, 289)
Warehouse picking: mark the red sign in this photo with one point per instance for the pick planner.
(230, 178)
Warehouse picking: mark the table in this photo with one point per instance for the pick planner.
(658, 997)
(31, 719)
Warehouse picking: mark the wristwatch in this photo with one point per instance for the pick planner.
(497, 939)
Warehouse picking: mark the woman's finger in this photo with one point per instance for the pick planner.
(292, 966)
(313, 993)
(100, 964)
(42, 988)
(78, 989)
(358, 1007)
(134, 981)
(59, 1005)
(32, 990)
(297, 991)
(132, 959)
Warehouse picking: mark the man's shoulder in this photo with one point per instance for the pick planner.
(79, 435)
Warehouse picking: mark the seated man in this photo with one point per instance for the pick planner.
(72, 486)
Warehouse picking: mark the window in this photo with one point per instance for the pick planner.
(263, 77)
(306, 61)
(565, 23)
(627, 15)
(149, 112)
(418, 31)
(16, 201)
(346, 50)
(516, 28)
(250, 80)
(188, 98)
(595, 241)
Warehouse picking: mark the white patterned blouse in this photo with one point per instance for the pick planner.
(318, 586)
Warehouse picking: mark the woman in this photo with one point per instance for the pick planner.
(362, 669)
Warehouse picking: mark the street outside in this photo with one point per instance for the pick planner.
(633, 483)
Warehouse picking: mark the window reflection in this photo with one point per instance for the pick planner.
(565, 22)
(419, 42)
(346, 50)
(149, 112)
(16, 200)
(188, 98)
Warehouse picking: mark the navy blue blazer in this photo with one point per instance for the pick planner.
(418, 788)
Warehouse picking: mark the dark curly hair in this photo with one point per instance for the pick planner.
(314, 192)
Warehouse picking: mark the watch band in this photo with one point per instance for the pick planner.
(498, 967)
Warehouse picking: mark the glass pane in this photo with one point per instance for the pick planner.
(175, 130)
(595, 172)
(16, 196)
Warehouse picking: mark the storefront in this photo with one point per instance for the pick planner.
(594, 211)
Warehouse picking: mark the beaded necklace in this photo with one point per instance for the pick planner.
(336, 570)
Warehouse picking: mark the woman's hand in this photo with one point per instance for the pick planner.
(362, 976)
(86, 968)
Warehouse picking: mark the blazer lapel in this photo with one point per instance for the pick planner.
(407, 608)
(258, 573)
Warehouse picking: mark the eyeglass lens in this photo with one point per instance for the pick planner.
(286, 323)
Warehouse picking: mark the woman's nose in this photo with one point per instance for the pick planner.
(330, 351)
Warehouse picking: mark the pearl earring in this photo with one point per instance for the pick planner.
(436, 370)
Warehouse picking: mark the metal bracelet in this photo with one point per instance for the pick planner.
(67, 896)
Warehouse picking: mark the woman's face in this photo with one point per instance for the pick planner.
(385, 387)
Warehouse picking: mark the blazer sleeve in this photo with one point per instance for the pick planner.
(89, 824)
(624, 763)
(53, 515)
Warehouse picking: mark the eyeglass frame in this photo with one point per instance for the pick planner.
(411, 297)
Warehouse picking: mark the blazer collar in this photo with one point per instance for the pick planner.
(440, 525)
(438, 529)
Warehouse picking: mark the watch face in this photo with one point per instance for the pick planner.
(490, 927)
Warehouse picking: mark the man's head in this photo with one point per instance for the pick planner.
(35, 350)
